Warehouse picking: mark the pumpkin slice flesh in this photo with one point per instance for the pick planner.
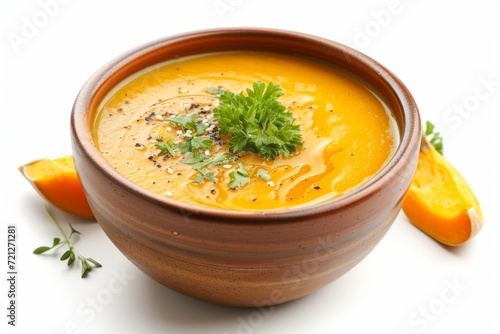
(440, 202)
(57, 181)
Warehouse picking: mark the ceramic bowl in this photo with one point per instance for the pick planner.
(244, 258)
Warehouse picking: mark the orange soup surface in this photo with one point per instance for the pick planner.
(348, 132)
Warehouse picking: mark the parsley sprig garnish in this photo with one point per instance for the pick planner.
(257, 122)
(71, 254)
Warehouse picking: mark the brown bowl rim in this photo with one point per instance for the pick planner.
(81, 125)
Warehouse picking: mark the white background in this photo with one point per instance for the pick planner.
(447, 53)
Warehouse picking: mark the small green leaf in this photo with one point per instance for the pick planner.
(263, 174)
(200, 128)
(71, 259)
(85, 264)
(191, 159)
(166, 148)
(186, 122)
(429, 128)
(41, 249)
(204, 174)
(200, 143)
(215, 91)
(239, 177)
(200, 161)
(56, 242)
(97, 264)
(434, 137)
(85, 269)
(65, 255)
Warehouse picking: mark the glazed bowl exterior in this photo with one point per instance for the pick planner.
(244, 258)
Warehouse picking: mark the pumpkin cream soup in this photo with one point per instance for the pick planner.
(164, 130)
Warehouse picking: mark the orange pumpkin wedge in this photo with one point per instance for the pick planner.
(440, 202)
(57, 181)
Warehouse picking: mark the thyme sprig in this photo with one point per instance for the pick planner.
(71, 254)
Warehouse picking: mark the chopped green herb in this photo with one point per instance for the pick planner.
(200, 143)
(204, 174)
(200, 161)
(187, 122)
(215, 91)
(239, 177)
(263, 174)
(193, 144)
(200, 128)
(167, 147)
